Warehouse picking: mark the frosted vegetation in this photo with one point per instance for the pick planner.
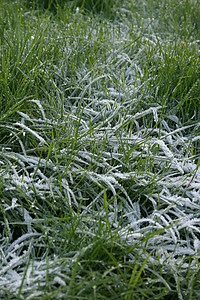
(100, 130)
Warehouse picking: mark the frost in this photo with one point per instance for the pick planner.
(19, 240)
(32, 132)
(37, 102)
(196, 245)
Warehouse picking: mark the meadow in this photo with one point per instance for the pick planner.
(99, 157)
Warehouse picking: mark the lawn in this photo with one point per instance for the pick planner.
(99, 159)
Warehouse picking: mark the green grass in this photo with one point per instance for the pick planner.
(99, 134)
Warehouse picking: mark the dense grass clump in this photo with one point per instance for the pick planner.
(99, 160)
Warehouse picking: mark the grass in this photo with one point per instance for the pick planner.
(99, 133)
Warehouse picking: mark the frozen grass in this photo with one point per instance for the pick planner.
(99, 131)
